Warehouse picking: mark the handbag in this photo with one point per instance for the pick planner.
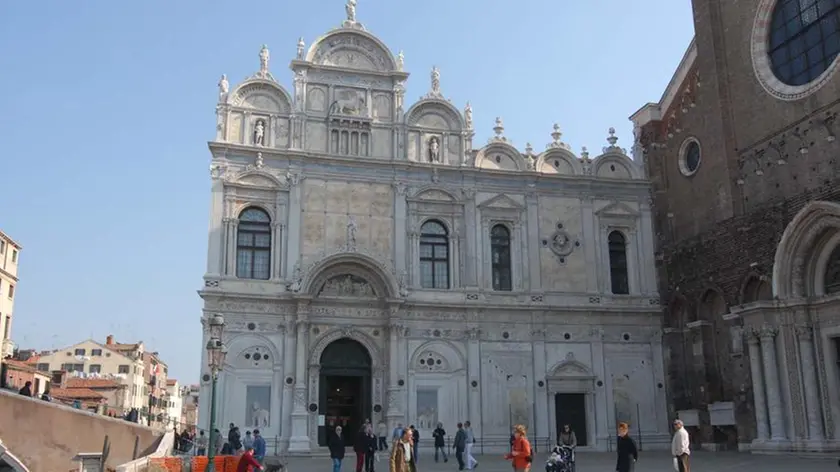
(676, 465)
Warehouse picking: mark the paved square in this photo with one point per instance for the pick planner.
(603, 462)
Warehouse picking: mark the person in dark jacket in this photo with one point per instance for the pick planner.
(336, 444)
(359, 447)
(26, 390)
(371, 446)
(415, 437)
(627, 452)
(440, 445)
(460, 445)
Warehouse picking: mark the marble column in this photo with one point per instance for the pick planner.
(515, 265)
(810, 383)
(660, 399)
(486, 268)
(414, 261)
(646, 257)
(771, 376)
(759, 401)
(300, 434)
(273, 270)
(542, 422)
(293, 238)
(454, 260)
(233, 228)
(289, 350)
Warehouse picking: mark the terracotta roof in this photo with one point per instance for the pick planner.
(22, 366)
(123, 346)
(75, 394)
(75, 383)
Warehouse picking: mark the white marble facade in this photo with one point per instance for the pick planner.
(479, 280)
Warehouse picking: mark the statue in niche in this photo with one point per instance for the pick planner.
(351, 232)
(350, 8)
(297, 279)
(300, 46)
(224, 87)
(434, 149)
(259, 133)
(347, 286)
(264, 57)
(259, 416)
(468, 115)
(402, 283)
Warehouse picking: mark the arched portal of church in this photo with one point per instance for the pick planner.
(345, 389)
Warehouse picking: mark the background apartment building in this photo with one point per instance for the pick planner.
(9, 257)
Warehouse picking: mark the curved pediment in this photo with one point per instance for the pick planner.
(436, 114)
(571, 369)
(346, 285)
(352, 49)
(500, 156)
(261, 95)
(434, 194)
(558, 161)
(614, 165)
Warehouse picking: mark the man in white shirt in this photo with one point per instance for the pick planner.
(680, 447)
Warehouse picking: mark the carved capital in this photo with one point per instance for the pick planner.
(293, 178)
(767, 333)
(468, 192)
(400, 188)
(804, 333)
(752, 337)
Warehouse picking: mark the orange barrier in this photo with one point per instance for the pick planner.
(169, 464)
(222, 463)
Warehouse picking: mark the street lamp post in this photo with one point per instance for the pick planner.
(216, 352)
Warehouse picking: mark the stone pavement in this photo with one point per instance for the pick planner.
(653, 461)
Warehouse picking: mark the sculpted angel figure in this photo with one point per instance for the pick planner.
(400, 61)
(434, 150)
(300, 47)
(468, 115)
(224, 86)
(435, 80)
(350, 7)
(264, 57)
(351, 232)
(259, 133)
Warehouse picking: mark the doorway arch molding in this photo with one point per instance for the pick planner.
(377, 371)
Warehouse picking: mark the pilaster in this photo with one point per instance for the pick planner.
(535, 278)
(661, 402)
(771, 376)
(289, 364)
(515, 257)
(542, 422)
(647, 258)
(233, 228)
(218, 230)
(471, 217)
(810, 384)
(299, 441)
(589, 229)
(393, 412)
(293, 237)
(759, 399)
(414, 261)
(400, 230)
(604, 411)
(474, 374)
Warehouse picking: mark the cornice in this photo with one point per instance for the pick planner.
(9, 274)
(9, 240)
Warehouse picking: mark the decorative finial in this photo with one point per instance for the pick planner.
(468, 115)
(584, 154)
(400, 61)
(435, 81)
(224, 86)
(499, 129)
(529, 150)
(556, 135)
(264, 57)
(259, 162)
(350, 8)
(300, 46)
(612, 139)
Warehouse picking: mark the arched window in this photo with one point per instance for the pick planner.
(500, 257)
(618, 263)
(253, 245)
(434, 255)
(804, 39)
(832, 273)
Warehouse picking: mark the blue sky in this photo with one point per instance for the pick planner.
(109, 106)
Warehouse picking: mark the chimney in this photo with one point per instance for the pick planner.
(109, 340)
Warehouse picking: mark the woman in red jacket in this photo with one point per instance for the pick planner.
(247, 463)
(520, 454)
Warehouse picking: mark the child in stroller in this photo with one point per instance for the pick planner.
(560, 460)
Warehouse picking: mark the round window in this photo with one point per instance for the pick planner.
(690, 157)
(795, 44)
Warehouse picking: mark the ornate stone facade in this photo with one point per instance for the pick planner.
(477, 280)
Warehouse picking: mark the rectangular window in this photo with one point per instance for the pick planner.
(96, 352)
(73, 367)
(7, 329)
(95, 369)
(123, 369)
(11, 291)
(2, 247)
(14, 256)
(43, 367)
(79, 352)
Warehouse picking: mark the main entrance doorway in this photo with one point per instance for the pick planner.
(345, 389)
(570, 409)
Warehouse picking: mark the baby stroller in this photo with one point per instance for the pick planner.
(560, 460)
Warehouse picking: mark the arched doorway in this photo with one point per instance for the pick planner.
(345, 389)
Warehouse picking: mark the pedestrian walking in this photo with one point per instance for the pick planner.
(470, 461)
(336, 445)
(627, 454)
(521, 456)
(680, 447)
(440, 442)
